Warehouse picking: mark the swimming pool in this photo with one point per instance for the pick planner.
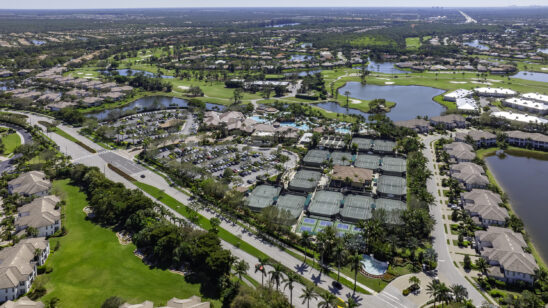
(293, 124)
(373, 266)
(341, 130)
(258, 119)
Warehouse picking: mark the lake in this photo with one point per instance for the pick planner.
(125, 72)
(411, 101)
(303, 73)
(148, 103)
(525, 180)
(542, 77)
(383, 67)
(298, 58)
(476, 44)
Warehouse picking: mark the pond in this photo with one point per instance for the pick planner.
(126, 72)
(303, 73)
(411, 101)
(383, 67)
(38, 42)
(476, 44)
(148, 103)
(542, 77)
(524, 179)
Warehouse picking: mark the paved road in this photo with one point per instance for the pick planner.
(447, 271)
(390, 297)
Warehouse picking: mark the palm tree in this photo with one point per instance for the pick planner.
(482, 265)
(459, 292)
(351, 303)
(414, 280)
(355, 265)
(276, 275)
(347, 93)
(328, 300)
(432, 289)
(261, 267)
(308, 294)
(289, 281)
(241, 268)
(305, 241)
(444, 293)
(340, 255)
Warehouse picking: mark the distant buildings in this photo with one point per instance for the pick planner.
(450, 121)
(494, 92)
(519, 117)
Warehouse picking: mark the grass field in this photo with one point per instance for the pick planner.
(412, 42)
(10, 142)
(371, 41)
(91, 265)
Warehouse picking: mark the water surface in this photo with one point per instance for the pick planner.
(525, 180)
(411, 101)
(128, 72)
(477, 44)
(534, 76)
(383, 67)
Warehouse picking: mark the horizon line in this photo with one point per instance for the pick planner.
(270, 7)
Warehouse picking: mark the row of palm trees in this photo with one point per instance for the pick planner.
(441, 293)
(288, 280)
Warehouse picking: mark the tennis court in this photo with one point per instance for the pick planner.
(262, 196)
(305, 180)
(364, 144)
(367, 161)
(325, 204)
(341, 158)
(315, 157)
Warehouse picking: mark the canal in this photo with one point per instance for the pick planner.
(525, 179)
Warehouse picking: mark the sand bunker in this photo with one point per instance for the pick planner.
(458, 81)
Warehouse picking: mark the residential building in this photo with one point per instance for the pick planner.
(449, 121)
(485, 205)
(523, 139)
(459, 93)
(18, 267)
(518, 117)
(494, 92)
(32, 183)
(40, 214)
(469, 175)
(504, 251)
(23, 302)
(526, 105)
(351, 177)
(479, 138)
(418, 125)
(460, 152)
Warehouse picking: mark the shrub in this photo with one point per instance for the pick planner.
(496, 293)
(44, 269)
(405, 292)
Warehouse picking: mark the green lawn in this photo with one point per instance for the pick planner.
(371, 41)
(11, 141)
(91, 265)
(412, 42)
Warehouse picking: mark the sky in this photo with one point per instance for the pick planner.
(89, 4)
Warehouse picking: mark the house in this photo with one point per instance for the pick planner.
(351, 177)
(32, 183)
(23, 302)
(478, 138)
(494, 92)
(526, 105)
(418, 125)
(449, 121)
(503, 248)
(523, 139)
(485, 205)
(459, 93)
(18, 266)
(460, 151)
(470, 175)
(40, 214)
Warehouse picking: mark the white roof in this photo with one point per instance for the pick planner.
(526, 103)
(459, 93)
(536, 97)
(520, 117)
(464, 103)
(495, 91)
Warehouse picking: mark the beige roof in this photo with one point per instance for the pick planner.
(23, 302)
(30, 183)
(145, 304)
(467, 167)
(450, 118)
(491, 212)
(482, 197)
(516, 134)
(357, 175)
(40, 212)
(15, 263)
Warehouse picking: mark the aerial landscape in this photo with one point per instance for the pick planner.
(303, 154)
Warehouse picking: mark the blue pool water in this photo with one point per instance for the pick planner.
(374, 266)
(258, 119)
(293, 124)
(476, 44)
(342, 130)
(300, 58)
(309, 221)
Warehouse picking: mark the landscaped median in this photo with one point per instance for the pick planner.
(65, 135)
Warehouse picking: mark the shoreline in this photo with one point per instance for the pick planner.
(493, 179)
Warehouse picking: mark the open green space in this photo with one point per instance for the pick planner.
(11, 141)
(91, 265)
(412, 42)
(371, 41)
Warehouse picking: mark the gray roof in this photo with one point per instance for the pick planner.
(393, 209)
(262, 196)
(482, 197)
(30, 183)
(394, 164)
(341, 158)
(384, 145)
(325, 203)
(39, 213)
(316, 156)
(294, 204)
(356, 207)
(516, 134)
(367, 161)
(305, 179)
(364, 144)
(392, 185)
(16, 263)
(23, 302)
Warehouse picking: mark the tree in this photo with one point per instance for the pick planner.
(328, 300)
(308, 294)
(467, 262)
(237, 96)
(288, 283)
(340, 255)
(414, 281)
(241, 268)
(459, 292)
(53, 302)
(215, 223)
(352, 303)
(355, 266)
(347, 94)
(261, 267)
(112, 302)
(305, 241)
(482, 265)
(276, 275)
(432, 289)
